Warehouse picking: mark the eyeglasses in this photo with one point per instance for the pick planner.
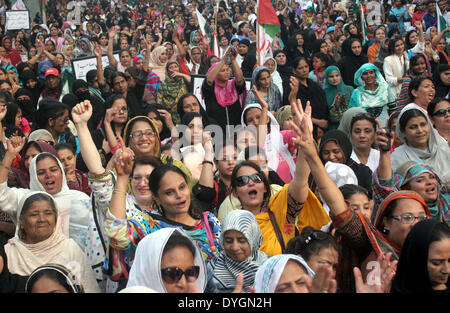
(409, 218)
(139, 134)
(172, 275)
(62, 120)
(441, 112)
(244, 180)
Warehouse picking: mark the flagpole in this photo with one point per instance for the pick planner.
(258, 32)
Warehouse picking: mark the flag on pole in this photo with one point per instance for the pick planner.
(441, 23)
(205, 31)
(268, 27)
(363, 26)
(216, 49)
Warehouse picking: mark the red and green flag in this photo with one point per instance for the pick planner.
(268, 28)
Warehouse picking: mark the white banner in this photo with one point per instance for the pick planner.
(16, 20)
(81, 66)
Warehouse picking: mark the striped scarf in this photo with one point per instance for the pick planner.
(226, 270)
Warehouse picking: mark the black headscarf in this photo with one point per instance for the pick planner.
(441, 89)
(205, 118)
(362, 172)
(28, 75)
(350, 63)
(412, 270)
(27, 106)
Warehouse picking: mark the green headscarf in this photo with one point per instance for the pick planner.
(332, 91)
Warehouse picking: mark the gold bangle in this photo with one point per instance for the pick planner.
(120, 192)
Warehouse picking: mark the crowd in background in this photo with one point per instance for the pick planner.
(188, 164)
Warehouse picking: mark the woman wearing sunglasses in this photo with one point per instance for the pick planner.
(361, 241)
(168, 261)
(439, 113)
(282, 214)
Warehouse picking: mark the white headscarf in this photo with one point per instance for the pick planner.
(24, 258)
(274, 145)
(437, 155)
(146, 268)
(73, 205)
(270, 271)
(276, 78)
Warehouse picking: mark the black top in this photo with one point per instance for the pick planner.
(230, 115)
(315, 95)
(10, 283)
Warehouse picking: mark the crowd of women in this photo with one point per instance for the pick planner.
(330, 174)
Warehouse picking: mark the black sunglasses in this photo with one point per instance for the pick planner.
(442, 112)
(172, 275)
(244, 180)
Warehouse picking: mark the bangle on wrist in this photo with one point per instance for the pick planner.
(209, 162)
(120, 192)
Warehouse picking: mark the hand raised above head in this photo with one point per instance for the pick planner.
(15, 144)
(82, 112)
(124, 159)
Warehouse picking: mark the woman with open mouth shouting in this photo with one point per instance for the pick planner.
(46, 174)
(285, 213)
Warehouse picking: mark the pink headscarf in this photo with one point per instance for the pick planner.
(226, 95)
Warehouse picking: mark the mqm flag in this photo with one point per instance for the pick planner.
(204, 30)
(441, 23)
(268, 27)
(364, 25)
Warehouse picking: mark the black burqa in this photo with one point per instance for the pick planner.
(350, 63)
(412, 269)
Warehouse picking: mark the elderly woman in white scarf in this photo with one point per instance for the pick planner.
(46, 175)
(39, 240)
(240, 241)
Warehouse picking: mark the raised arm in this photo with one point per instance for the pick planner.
(207, 175)
(262, 127)
(124, 164)
(211, 77)
(327, 188)
(176, 40)
(110, 137)
(384, 170)
(240, 80)
(298, 188)
(98, 56)
(81, 113)
(111, 58)
(439, 36)
(15, 145)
